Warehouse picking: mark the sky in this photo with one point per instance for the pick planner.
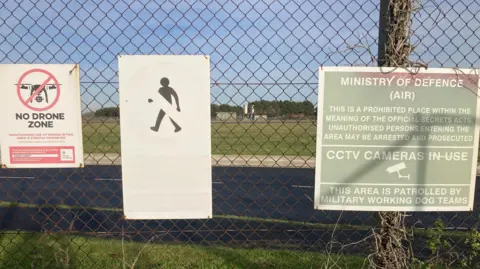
(259, 49)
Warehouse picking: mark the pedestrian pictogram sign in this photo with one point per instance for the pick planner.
(40, 104)
(40, 95)
(167, 93)
(166, 140)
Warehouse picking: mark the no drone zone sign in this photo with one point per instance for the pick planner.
(41, 108)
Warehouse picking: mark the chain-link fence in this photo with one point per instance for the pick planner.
(263, 53)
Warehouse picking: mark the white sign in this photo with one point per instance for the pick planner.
(396, 139)
(166, 140)
(41, 116)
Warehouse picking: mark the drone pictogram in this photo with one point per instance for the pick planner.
(38, 89)
(34, 87)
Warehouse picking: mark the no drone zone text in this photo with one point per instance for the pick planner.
(40, 120)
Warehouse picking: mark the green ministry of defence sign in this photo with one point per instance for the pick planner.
(396, 139)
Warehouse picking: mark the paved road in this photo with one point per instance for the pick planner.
(277, 193)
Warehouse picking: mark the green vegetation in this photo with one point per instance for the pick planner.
(292, 138)
(435, 235)
(58, 206)
(442, 254)
(232, 217)
(214, 109)
(281, 109)
(288, 138)
(101, 137)
(62, 250)
(107, 112)
(57, 251)
(271, 108)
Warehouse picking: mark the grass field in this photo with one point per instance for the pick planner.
(290, 138)
(459, 234)
(55, 251)
(62, 250)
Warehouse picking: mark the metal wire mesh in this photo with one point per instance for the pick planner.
(265, 53)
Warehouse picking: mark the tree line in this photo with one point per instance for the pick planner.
(262, 107)
(269, 108)
(283, 108)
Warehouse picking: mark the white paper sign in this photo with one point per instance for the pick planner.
(165, 136)
(41, 116)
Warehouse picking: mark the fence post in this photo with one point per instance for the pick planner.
(382, 32)
(391, 247)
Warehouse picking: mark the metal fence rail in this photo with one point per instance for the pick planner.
(263, 170)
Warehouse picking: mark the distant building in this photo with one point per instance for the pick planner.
(260, 118)
(296, 116)
(226, 116)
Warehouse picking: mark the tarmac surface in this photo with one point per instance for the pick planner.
(267, 193)
(276, 193)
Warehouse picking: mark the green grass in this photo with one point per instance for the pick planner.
(56, 251)
(34, 250)
(457, 234)
(290, 138)
(62, 250)
(57, 206)
(101, 138)
(244, 218)
(317, 225)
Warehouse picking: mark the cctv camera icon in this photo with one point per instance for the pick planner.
(397, 168)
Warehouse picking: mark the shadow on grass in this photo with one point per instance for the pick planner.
(35, 250)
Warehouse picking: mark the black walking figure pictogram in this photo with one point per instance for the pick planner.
(167, 93)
